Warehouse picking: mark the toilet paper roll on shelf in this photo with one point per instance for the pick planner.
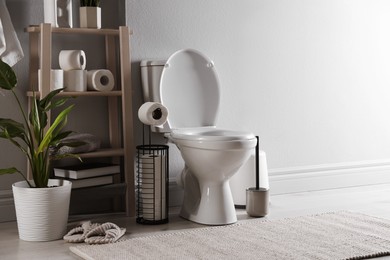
(72, 60)
(56, 80)
(75, 80)
(153, 113)
(100, 80)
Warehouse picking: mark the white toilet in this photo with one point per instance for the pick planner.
(187, 84)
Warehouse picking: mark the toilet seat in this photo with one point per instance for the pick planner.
(212, 134)
(211, 138)
(190, 89)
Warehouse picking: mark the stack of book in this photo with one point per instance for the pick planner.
(88, 174)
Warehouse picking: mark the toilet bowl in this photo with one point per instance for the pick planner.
(187, 84)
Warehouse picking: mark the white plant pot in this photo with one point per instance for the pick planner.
(90, 17)
(42, 213)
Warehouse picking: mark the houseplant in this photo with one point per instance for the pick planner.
(90, 14)
(36, 140)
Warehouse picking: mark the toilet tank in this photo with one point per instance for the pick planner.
(150, 79)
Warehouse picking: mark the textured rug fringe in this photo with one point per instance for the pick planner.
(381, 254)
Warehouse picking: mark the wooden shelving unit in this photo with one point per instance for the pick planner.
(117, 56)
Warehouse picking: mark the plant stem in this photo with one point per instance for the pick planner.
(24, 177)
(30, 138)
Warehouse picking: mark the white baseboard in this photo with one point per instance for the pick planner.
(7, 208)
(319, 177)
(332, 176)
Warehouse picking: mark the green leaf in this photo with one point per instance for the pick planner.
(8, 78)
(44, 103)
(59, 122)
(59, 137)
(11, 128)
(57, 103)
(11, 170)
(35, 120)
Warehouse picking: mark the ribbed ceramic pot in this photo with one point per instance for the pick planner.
(42, 213)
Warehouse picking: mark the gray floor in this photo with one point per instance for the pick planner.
(373, 200)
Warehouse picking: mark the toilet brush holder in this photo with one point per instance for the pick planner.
(257, 201)
(257, 198)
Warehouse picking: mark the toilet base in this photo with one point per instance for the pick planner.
(214, 207)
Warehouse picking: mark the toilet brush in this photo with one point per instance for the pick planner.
(257, 198)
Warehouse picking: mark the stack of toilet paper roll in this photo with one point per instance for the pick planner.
(153, 191)
(73, 63)
(76, 78)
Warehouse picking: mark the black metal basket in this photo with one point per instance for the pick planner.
(152, 184)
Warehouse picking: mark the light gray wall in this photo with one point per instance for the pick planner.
(24, 13)
(310, 77)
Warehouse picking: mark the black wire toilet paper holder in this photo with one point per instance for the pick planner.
(152, 178)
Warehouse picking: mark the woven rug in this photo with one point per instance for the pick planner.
(340, 235)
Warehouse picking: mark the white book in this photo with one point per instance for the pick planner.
(86, 170)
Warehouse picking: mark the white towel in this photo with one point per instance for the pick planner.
(10, 50)
(2, 38)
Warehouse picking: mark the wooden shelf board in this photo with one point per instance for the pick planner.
(80, 94)
(59, 30)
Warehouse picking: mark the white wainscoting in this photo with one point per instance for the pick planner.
(330, 176)
(316, 177)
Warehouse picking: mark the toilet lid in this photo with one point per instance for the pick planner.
(211, 134)
(189, 88)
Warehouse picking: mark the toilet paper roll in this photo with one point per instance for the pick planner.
(56, 80)
(75, 80)
(153, 113)
(100, 80)
(153, 192)
(72, 60)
